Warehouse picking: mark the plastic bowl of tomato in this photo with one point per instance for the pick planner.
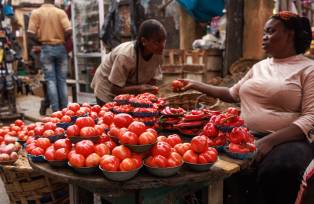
(163, 172)
(120, 175)
(140, 148)
(240, 156)
(84, 170)
(77, 139)
(199, 167)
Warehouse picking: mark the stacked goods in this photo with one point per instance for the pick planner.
(144, 107)
(163, 162)
(241, 144)
(200, 157)
(225, 122)
(218, 138)
(170, 117)
(85, 128)
(192, 122)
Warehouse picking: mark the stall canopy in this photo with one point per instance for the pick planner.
(203, 10)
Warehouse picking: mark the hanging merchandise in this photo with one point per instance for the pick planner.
(8, 10)
(203, 10)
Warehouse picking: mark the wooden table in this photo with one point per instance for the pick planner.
(145, 188)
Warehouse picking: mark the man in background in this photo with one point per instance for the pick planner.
(48, 27)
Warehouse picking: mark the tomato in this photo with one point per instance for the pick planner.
(39, 130)
(61, 154)
(93, 115)
(122, 120)
(190, 156)
(210, 130)
(102, 149)
(128, 164)
(31, 126)
(162, 138)
(220, 140)
(80, 112)
(59, 131)
(48, 133)
(109, 163)
(66, 119)
(85, 147)
(43, 143)
(241, 148)
(138, 159)
(199, 144)
(19, 123)
(151, 130)
(92, 160)
(177, 85)
(57, 114)
(129, 138)
(73, 130)
(114, 132)
(50, 153)
(174, 159)
(103, 138)
(64, 110)
(173, 140)
(74, 107)
(76, 160)
(95, 108)
(181, 148)
(87, 132)
(50, 126)
(137, 127)
(37, 151)
(108, 118)
(233, 111)
(208, 156)
(85, 122)
(86, 105)
(149, 161)
(100, 129)
(111, 144)
(30, 147)
(121, 152)
(161, 148)
(160, 161)
(147, 138)
(63, 143)
(69, 113)
(30, 140)
(84, 109)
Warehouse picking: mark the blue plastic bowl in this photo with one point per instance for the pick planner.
(34, 158)
(240, 156)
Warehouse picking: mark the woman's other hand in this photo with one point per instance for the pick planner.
(264, 146)
(189, 84)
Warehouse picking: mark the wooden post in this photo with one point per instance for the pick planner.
(234, 32)
(256, 13)
(187, 29)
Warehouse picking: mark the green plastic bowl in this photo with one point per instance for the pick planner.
(199, 167)
(163, 172)
(120, 175)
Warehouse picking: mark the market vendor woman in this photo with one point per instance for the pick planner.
(277, 102)
(132, 67)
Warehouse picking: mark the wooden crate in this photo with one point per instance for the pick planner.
(24, 186)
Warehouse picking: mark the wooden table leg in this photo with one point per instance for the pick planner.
(79, 195)
(215, 193)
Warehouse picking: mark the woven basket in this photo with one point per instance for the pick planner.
(25, 186)
(192, 100)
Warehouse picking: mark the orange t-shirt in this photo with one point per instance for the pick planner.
(276, 93)
(49, 24)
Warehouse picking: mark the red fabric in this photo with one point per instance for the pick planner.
(309, 172)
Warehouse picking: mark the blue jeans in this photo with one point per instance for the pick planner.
(55, 66)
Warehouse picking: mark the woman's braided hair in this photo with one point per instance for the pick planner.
(301, 27)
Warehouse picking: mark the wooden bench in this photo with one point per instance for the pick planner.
(145, 188)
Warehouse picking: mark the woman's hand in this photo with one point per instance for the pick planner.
(190, 84)
(264, 146)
